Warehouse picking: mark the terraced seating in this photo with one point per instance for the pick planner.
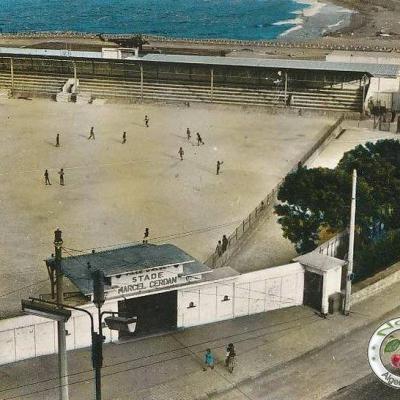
(325, 98)
(335, 99)
(29, 84)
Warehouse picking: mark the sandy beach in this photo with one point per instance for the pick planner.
(315, 20)
(372, 19)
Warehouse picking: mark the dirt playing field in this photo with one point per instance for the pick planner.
(113, 191)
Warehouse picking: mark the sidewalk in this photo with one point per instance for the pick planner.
(169, 367)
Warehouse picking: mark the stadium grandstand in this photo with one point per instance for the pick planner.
(124, 75)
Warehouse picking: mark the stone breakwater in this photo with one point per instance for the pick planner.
(277, 43)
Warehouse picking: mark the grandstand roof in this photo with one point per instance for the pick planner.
(378, 70)
(388, 70)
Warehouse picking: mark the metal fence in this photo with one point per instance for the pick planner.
(216, 260)
(331, 246)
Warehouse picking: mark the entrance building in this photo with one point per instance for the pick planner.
(141, 280)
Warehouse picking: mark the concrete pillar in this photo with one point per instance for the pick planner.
(363, 95)
(286, 87)
(12, 73)
(75, 78)
(212, 84)
(141, 82)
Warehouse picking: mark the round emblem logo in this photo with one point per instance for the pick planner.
(384, 353)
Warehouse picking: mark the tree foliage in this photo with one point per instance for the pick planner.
(316, 199)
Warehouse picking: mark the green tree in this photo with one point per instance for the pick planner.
(313, 200)
(378, 167)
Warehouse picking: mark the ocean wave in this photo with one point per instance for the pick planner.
(337, 24)
(294, 21)
(313, 9)
(294, 28)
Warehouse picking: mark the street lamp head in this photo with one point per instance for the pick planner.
(58, 237)
(121, 324)
(45, 310)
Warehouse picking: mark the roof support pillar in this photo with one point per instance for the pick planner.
(286, 87)
(75, 78)
(211, 84)
(364, 83)
(141, 82)
(12, 73)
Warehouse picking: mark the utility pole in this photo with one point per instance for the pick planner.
(62, 347)
(97, 338)
(286, 87)
(349, 277)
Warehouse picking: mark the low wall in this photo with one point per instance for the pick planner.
(320, 44)
(29, 336)
(377, 283)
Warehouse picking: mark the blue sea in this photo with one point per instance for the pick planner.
(231, 19)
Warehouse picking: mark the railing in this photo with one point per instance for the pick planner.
(266, 205)
(330, 247)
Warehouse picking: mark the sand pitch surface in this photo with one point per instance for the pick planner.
(114, 190)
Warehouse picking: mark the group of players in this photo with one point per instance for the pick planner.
(92, 136)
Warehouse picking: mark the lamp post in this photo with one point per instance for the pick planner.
(61, 313)
(349, 277)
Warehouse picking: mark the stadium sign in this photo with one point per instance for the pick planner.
(150, 280)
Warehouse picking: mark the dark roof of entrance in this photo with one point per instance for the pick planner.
(123, 260)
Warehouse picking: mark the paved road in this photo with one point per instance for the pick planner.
(317, 375)
(368, 388)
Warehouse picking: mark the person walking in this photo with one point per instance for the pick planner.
(124, 138)
(146, 121)
(188, 134)
(61, 173)
(224, 243)
(230, 357)
(58, 140)
(218, 249)
(208, 360)
(91, 135)
(199, 139)
(219, 163)
(46, 177)
(181, 153)
(146, 236)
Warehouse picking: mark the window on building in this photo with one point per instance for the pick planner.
(191, 305)
(226, 298)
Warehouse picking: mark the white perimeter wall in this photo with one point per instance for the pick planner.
(29, 336)
(249, 293)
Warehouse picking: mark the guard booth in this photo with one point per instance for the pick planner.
(141, 281)
(322, 278)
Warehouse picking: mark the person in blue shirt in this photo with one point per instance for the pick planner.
(208, 360)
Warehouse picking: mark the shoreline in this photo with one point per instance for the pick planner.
(317, 19)
(359, 30)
